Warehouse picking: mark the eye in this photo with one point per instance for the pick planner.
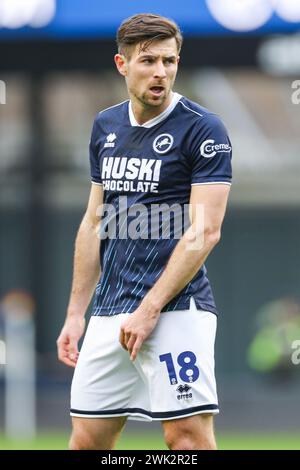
(170, 61)
(147, 61)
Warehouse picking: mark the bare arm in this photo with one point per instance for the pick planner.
(186, 260)
(86, 271)
(194, 247)
(86, 274)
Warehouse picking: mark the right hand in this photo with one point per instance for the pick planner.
(67, 342)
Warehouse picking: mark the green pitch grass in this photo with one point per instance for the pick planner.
(148, 441)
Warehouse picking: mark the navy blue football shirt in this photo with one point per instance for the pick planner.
(147, 172)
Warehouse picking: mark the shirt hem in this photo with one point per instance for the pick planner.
(180, 306)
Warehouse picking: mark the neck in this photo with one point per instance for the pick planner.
(144, 113)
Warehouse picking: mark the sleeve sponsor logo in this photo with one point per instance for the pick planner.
(209, 149)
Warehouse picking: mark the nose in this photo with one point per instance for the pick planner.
(160, 71)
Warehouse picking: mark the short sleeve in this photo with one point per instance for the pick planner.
(211, 152)
(94, 155)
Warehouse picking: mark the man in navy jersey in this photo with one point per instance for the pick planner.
(148, 352)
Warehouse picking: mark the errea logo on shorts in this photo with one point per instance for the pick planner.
(184, 392)
(209, 149)
(110, 140)
(163, 143)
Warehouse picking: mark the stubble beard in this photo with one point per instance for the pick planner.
(148, 102)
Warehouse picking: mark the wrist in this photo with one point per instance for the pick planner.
(152, 305)
(75, 312)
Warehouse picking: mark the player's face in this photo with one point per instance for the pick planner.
(150, 73)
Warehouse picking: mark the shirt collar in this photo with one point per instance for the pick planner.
(152, 122)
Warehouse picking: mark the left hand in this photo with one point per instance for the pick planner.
(136, 329)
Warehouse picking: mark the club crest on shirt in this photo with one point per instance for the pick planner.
(162, 143)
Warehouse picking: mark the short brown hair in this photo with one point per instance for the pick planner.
(145, 28)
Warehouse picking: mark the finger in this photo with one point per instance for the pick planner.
(127, 339)
(136, 347)
(68, 352)
(73, 349)
(69, 363)
(130, 343)
(122, 339)
(66, 360)
(62, 344)
(64, 352)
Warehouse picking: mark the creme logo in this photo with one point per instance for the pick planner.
(209, 149)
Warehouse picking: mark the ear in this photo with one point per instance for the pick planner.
(121, 63)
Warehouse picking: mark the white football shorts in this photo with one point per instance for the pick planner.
(172, 376)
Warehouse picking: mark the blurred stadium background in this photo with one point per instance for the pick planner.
(240, 58)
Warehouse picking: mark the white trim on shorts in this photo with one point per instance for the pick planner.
(147, 415)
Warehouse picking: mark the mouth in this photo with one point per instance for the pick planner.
(157, 90)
